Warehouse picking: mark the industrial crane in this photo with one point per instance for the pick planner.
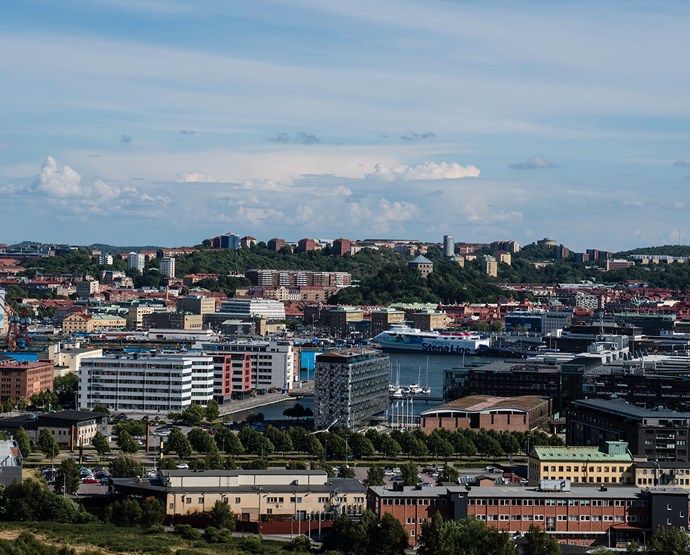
(18, 325)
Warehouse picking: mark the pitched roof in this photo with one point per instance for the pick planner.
(420, 260)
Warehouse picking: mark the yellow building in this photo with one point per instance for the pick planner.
(275, 496)
(582, 465)
(427, 320)
(342, 318)
(78, 322)
(664, 474)
(490, 266)
(504, 256)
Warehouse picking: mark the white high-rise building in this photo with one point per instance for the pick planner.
(273, 362)
(105, 259)
(168, 266)
(265, 308)
(146, 382)
(136, 261)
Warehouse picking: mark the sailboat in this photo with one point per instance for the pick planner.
(397, 391)
(415, 388)
(426, 390)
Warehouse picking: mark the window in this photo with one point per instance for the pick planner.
(188, 500)
(412, 533)
(201, 500)
(561, 518)
(584, 518)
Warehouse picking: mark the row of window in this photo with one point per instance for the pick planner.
(591, 479)
(564, 518)
(412, 501)
(560, 502)
(621, 469)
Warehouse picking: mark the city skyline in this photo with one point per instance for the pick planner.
(308, 119)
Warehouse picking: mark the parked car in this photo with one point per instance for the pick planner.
(89, 481)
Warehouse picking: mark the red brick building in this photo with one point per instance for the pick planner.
(411, 506)
(503, 414)
(341, 247)
(582, 516)
(306, 245)
(21, 380)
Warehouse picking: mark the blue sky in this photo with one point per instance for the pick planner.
(166, 121)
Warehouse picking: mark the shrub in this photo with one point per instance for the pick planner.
(250, 544)
(217, 535)
(188, 532)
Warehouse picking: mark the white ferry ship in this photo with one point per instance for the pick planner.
(413, 340)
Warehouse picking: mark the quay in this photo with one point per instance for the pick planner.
(251, 403)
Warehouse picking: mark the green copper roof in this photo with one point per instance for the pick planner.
(582, 454)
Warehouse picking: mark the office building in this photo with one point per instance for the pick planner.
(229, 241)
(538, 321)
(429, 320)
(22, 379)
(609, 465)
(136, 261)
(344, 319)
(169, 383)
(71, 428)
(654, 433)
(269, 309)
(582, 516)
(382, 320)
(195, 304)
(167, 267)
(273, 363)
(272, 501)
(350, 387)
(173, 321)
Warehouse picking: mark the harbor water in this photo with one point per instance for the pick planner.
(412, 369)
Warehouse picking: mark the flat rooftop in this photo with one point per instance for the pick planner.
(622, 408)
(483, 403)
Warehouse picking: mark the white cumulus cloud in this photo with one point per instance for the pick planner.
(57, 181)
(422, 172)
(196, 177)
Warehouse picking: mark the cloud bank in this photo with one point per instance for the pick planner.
(425, 171)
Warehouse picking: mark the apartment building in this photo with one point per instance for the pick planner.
(153, 382)
(136, 261)
(350, 387)
(610, 465)
(298, 278)
(167, 266)
(273, 362)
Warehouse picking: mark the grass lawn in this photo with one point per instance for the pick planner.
(114, 539)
